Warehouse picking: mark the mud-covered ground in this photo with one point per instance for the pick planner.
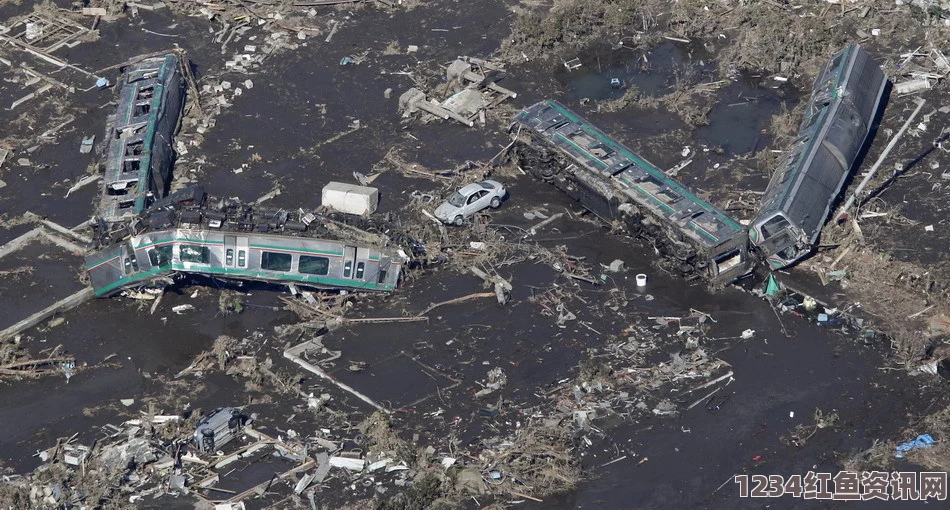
(714, 98)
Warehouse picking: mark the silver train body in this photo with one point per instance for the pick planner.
(838, 121)
(694, 236)
(236, 241)
(558, 146)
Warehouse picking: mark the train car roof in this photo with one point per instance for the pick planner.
(615, 161)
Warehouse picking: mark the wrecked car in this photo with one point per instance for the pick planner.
(469, 200)
(218, 428)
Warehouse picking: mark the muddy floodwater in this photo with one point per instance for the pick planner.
(306, 116)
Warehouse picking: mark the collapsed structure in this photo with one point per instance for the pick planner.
(697, 238)
(140, 156)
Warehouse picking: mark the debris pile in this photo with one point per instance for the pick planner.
(471, 88)
(17, 363)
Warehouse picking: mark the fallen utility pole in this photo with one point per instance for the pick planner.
(45, 56)
(32, 366)
(19, 242)
(533, 230)
(457, 300)
(62, 305)
(384, 320)
(887, 150)
(293, 354)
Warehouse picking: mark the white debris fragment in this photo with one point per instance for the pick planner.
(348, 463)
(180, 309)
(747, 334)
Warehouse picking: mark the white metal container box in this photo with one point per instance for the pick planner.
(350, 198)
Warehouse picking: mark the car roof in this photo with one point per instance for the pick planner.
(471, 188)
(478, 186)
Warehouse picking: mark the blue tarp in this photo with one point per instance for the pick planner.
(922, 441)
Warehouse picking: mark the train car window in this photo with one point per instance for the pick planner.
(671, 196)
(835, 62)
(347, 269)
(160, 255)
(812, 120)
(382, 276)
(360, 267)
(134, 149)
(195, 253)
(771, 227)
(131, 265)
(242, 258)
(314, 265)
(229, 256)
(273, 261)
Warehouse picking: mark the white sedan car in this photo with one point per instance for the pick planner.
(471, 199)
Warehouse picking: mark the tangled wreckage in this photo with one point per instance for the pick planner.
(143, 235)
(694, 236)
(189, 232)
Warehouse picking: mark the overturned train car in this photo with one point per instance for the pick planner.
(140, 156)
(694, 237)
(838, 121)
(189, 233)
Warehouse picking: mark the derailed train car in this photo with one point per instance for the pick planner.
(695, 237)
(838, 121)
(189, 233)
(558, 146)
(140, 156)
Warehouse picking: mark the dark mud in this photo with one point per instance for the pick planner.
(650, 73)
(427, 371)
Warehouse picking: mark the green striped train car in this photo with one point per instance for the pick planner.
(695, 237)
(140, 156)
(241, 242)
(838, 122)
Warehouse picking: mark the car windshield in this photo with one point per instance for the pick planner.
(457, 199)
(486, 185)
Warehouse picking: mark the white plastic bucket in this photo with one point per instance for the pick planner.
(641, 280)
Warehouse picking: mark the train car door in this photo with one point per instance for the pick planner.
(130, 264)
(230, 251)
(235, 252)
(362, 265)
(349, 261)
